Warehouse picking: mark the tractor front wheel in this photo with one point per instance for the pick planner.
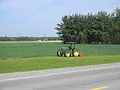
(67, 53)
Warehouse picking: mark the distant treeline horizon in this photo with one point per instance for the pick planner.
(28, 38)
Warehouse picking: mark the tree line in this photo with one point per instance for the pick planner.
(101, 27)
(28, 38)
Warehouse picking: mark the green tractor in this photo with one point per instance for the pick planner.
(69, 51)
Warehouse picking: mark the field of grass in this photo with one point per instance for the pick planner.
(15, 57)
(27, 50)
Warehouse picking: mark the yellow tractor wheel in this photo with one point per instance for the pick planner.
(67, 53)
(75, 53)
(59, 53)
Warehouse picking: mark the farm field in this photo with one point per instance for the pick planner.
(16, 57)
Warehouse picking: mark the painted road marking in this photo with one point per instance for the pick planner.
(101, 88)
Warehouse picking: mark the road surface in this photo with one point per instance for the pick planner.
(98, 77)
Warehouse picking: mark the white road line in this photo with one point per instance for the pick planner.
(67, 72)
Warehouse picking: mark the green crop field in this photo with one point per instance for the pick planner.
(16, 57)
(27, 50)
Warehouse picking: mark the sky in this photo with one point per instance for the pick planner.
(38, 18)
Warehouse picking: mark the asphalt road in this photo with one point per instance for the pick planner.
(96, 78)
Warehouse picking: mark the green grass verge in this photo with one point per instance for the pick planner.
(39, 63)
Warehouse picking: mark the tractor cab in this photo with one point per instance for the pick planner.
(71, 45)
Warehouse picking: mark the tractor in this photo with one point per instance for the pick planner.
(69, 51)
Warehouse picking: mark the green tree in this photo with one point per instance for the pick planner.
(98, 28)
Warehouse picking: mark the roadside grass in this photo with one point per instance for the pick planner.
(39, 63)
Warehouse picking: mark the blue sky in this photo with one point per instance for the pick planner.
(39, 17)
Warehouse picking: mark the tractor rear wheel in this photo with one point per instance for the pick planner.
(67, 53)
(59, 53)
(75, 52)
